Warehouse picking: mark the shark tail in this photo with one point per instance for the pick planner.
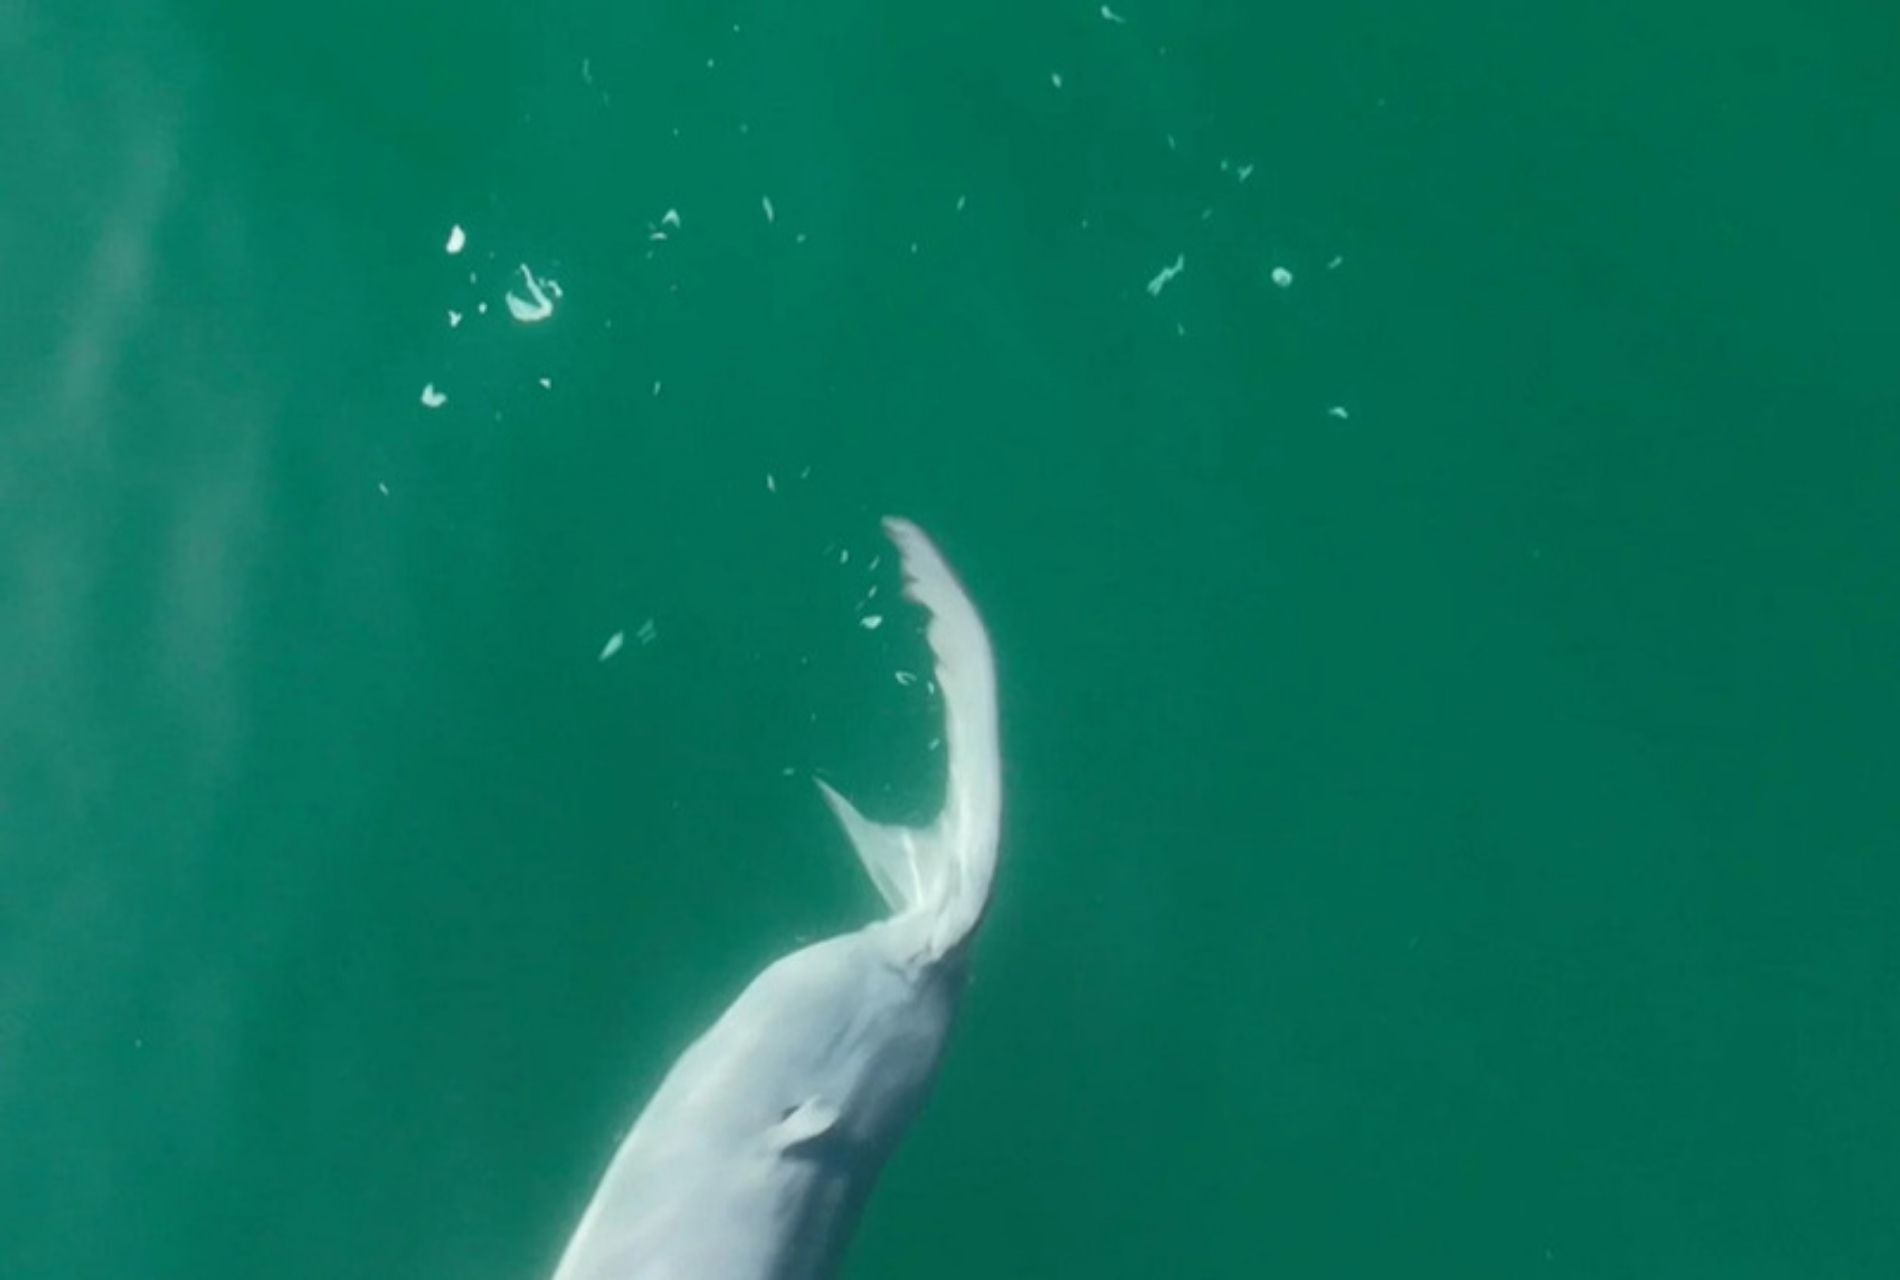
(942, 870)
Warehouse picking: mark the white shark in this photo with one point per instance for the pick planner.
(756, 1155)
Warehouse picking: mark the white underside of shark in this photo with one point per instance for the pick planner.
(756, 1155)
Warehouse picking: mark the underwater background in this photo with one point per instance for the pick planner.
(1431, 472)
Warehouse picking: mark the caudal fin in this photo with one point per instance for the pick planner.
(943, 869)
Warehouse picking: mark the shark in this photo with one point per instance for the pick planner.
(755, 1157)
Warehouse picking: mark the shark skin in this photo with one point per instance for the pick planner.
(755, 1157)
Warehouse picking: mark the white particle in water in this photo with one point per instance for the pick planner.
(534, 309)
(1167, 273)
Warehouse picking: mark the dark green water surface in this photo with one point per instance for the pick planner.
(1449, 685)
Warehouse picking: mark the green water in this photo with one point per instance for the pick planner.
(1449, 700)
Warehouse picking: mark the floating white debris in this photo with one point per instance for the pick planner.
(587, 72)
(1171, 142)
(656, 390)
(647, 633)
(871, 621)
(771, 485)
(455, 318)
(382, 488)
(431, 398)
(1167, 273)
(1337, 261)
(457, 238)
(844, 555)
(471, 277)
(961, 201)
(913, 246)
(1055, 78)
(1109, 15)
(1338, 411)
(671, 218)
(481, 308)
(875, 562)
(787, 771)
(530, 310)
(1282, 277)
(547, 384)
(1244, 172)
(804, 472)
(612, 646)
(905, 678)
(800, 238)
(771, 214)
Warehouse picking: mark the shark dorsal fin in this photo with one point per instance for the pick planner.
(888, 851)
